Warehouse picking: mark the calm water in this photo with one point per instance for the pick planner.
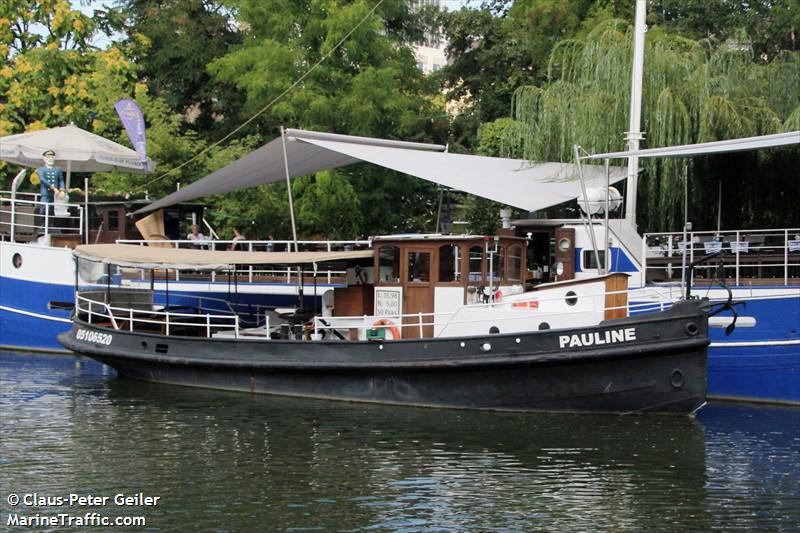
(234, 462)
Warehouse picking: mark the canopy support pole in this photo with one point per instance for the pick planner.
(86, 209)
(289, 188)
(590, 227)
(69, 174)
(686, 226)
(719, 207)
(14, 186)
(439, 209)
(108, 284)
(607, 254)
(291, 208)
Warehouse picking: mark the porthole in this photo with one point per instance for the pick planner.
(564, 244)
(16, 260)
(676, 379)
(692, 329)
(494, 330)
(571, 298)
(544, 325)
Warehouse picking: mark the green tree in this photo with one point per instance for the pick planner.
(328, 205)
(54, 77)
(694, 91)
(369, 85)
(172, 43)
(494, 50)
(772, 25)
(46, 61)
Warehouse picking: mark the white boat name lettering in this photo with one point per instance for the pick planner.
(94, 336)
(597, 338)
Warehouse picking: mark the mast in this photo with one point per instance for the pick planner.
(634, 134)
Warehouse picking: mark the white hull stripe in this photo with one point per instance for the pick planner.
(756, 343)
(35, 315)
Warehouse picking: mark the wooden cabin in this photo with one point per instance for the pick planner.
(432, 274)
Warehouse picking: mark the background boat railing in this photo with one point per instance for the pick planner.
(288, 275)
(211, 304)
(143, 315)
(770, 256)
(648, 301)
(29, 218)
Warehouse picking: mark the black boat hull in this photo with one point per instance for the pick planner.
(660, 367)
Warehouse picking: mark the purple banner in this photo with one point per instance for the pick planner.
(131, 116)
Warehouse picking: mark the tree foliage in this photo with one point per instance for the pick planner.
(367, 86)
(495, 49)
(694, 91)
(54, 76)
(172, 43)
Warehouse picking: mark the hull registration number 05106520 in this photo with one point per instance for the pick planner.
(94, 336)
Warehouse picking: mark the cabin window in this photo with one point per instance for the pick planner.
(496, 264)
(113, 220)
(419, 266)
(449, 263)
(515, 263)
(389, 263)
(476, 263)
(589, 261)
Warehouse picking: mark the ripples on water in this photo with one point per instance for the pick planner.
(234, 462)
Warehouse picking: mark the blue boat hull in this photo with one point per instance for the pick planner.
(760, 363)
(26, 321)
(755, 373)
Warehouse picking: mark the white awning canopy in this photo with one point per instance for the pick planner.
(134, 256)
(709, 148)
(514, 182)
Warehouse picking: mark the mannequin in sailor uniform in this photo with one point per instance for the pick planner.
(51, 179)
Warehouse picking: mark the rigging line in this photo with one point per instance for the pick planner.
(270, 104)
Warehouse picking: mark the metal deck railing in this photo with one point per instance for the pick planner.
(26, 220)
(288, 275)
(769, 256)
(149, 317)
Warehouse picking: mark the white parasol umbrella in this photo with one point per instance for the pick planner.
(76, 149)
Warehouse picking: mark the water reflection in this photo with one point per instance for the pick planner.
(230, 461)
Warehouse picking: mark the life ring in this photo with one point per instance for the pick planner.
(388, 324)
(308, 330)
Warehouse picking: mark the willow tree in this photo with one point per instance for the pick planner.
(694, 91)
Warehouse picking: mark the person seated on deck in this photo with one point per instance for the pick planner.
(197, 237)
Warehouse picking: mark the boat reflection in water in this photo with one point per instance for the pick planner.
(253, 462)
(310, 463)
